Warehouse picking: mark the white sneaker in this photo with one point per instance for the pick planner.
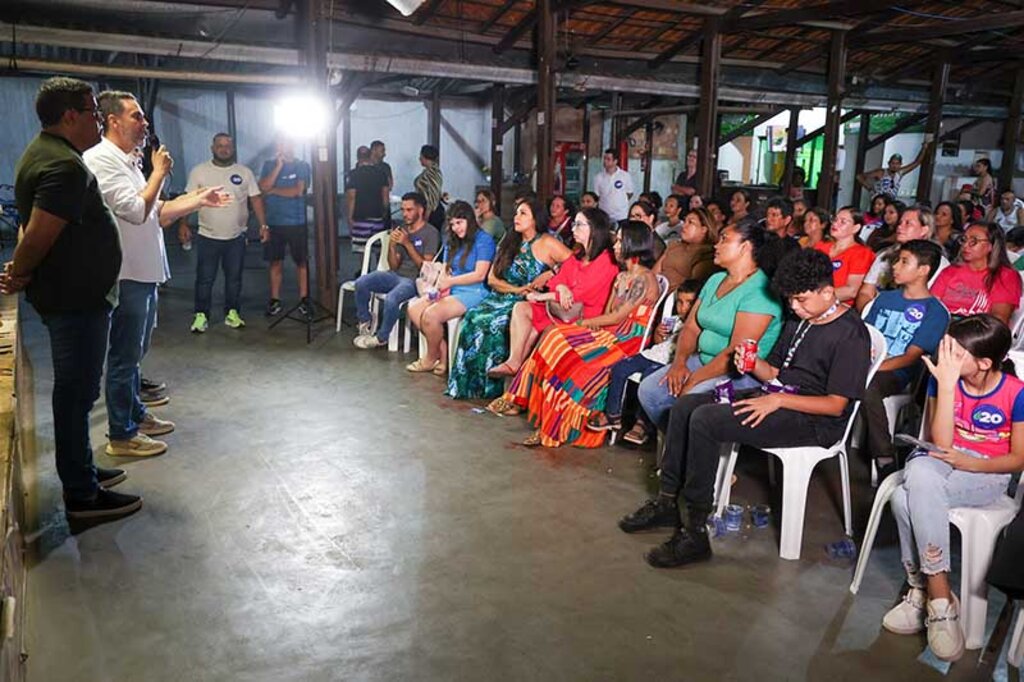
(139, 446)
(364, 329)
(154, 426)
(907, 617)
(945, 636)
(369, 342)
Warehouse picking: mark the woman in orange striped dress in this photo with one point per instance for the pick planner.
(566, 377)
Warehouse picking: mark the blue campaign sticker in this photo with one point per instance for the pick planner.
(914, 312)
(988, 417)
(836, 264)
(618, 184)
(236, 179)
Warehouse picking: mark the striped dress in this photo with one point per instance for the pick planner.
(565, 379)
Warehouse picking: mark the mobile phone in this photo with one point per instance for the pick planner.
(918, 443)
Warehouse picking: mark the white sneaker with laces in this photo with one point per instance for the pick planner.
(369, 342)
(945, 636)
(907, 617)
(139, 446)
(364, 329)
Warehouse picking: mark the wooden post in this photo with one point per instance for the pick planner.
(648, 153)
(434, 121)
(862, 154)
(933, 126)
(707, 114)
(616, 135)
(346, 140)
(836, 89)
(546, 54)
(586, 146)
(324, 162)
(791, 148)
(497, 137)
(1011, 135)
(232, 123)
(517, 161)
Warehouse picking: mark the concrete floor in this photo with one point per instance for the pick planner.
(323, 515)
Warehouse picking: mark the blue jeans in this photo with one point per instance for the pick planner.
(78, 343)
(921, 507)
(212, 254)
(131, 327)
(398, 290)
(656, 401)
(619, 377)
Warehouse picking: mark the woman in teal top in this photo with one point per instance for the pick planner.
(485, 215)
(733, 305)
(523, 264)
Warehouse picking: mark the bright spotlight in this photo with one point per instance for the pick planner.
(301, 116)
(406, 7)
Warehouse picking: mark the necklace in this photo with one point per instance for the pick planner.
(801, 332)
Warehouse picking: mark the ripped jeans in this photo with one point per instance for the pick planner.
(921, 507)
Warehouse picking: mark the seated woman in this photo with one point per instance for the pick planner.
(645, 212)
(584, 280)
(469, 252)
(949, 230)
(733, 305)
(977, 418)
(565, 380)
(813, 376)
(489, 221)
(693, 255)
(523, 265)
(814, 226)
(850, 259)
(983, 281)
(560, 215)
(883, 234)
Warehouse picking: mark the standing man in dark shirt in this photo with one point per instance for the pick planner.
(366, 196)
(68, 262)
(283, 182)
(378, 151)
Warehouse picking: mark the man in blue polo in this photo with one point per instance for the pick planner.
(283, 182)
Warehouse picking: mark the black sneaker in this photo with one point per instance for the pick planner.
(154, 398)
(684, 547)
(658, 512)
(150, 385)
(108, 478)
(273, 308)
(306, 309)
(106, 504)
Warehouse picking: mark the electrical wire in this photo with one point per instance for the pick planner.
(230, 25)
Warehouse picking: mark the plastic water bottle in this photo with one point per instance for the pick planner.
(843, 549)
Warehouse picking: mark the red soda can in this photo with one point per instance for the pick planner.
(748, 356)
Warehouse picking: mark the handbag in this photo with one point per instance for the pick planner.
(558, 314)
(430, 273)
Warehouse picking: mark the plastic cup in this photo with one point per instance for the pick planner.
(760, 515)
(733, 517)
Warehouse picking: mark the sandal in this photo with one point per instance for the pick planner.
(533, 440)
(599, 421)
(503, 408)
(440, 370)
(497, 371)
(637, 435)
(421, 366)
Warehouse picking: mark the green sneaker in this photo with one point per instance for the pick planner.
(199, 324)
(234, 320)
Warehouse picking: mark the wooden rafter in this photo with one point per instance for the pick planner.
(975, 24)
(829, 10)
(426, 11)
(686, 42)
(623, 18)
(498, 14)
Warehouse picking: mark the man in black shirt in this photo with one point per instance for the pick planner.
(367, 196)
(378, 151)
(812, 377)
(68, 262)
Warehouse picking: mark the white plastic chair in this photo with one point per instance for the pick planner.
(979, 529)
(798, 465)
(1015, 653)
(382, 264)
(1016, 323)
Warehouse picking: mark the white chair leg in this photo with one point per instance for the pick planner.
(728, 457)
(885, 491)
(393, 337)
(1015, 652)
(844, 474)
(423, 345)
(857, 432)
(453, 339)
(407, 346)
(977, 546)
(341, 302)
(874, 473)
(796, 476)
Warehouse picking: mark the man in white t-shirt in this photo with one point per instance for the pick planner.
(221, 240)
(614, 186)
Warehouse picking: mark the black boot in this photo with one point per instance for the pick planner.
(659, 512)
(687, 545)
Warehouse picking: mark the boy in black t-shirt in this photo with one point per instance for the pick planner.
(812, 377)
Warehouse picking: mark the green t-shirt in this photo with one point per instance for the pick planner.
(80, 271)
(716, 316)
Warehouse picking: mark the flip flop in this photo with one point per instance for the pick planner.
(420, 366)
(503, 408)
(497, 371)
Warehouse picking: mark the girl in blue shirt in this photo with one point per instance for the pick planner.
(468, 251)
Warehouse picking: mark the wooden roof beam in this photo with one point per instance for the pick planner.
(976, 24)
(829, 10)
(623, 18)
(530, 20)
(689, 41)
(484, 27)
(426, 11)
